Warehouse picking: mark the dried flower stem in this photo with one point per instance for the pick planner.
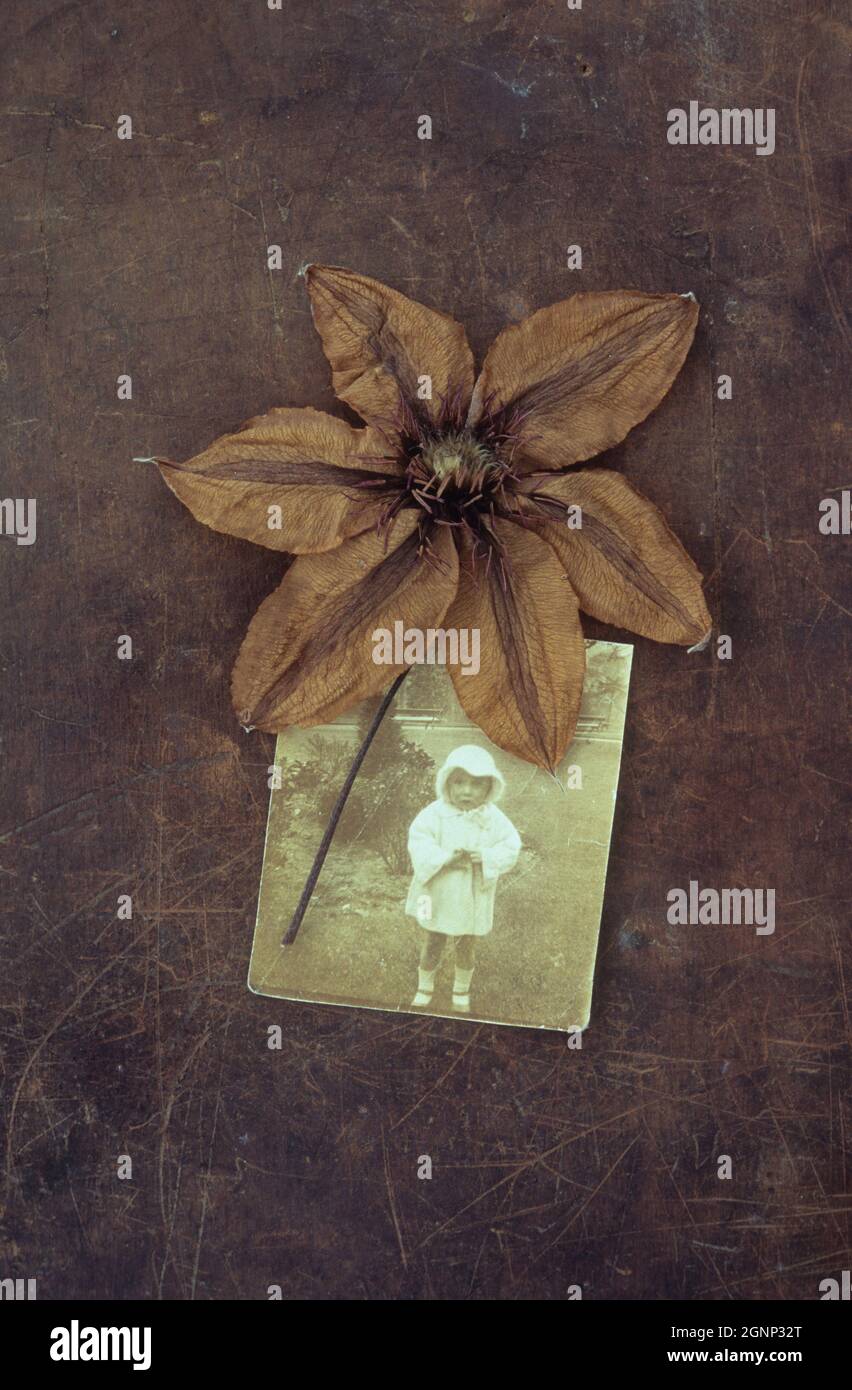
(328, 834)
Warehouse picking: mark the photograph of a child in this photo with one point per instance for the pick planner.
(461, 882)
(460, 845)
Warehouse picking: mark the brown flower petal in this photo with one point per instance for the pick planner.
(379, 344)
(526, 695)
(625, 565)
(324, 476)
(586, 370)
(308, 654)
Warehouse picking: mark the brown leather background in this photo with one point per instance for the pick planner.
(297, 1167)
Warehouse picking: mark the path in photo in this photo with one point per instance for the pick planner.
(534, 963)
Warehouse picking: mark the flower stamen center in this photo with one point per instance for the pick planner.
(457, 456)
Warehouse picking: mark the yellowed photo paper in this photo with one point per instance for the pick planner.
(460, 882)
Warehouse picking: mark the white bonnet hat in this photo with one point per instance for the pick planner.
(476, 762)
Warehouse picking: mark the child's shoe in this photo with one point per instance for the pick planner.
(461, 990)
(425, 988)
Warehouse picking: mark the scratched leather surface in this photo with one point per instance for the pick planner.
(298, 1167)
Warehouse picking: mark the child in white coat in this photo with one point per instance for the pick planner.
(459, 846)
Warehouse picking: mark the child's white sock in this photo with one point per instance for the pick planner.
(425, 988)
(461, 982)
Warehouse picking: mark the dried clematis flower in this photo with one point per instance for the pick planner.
(457, 510)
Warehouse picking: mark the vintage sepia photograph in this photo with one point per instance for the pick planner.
(460, 881)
